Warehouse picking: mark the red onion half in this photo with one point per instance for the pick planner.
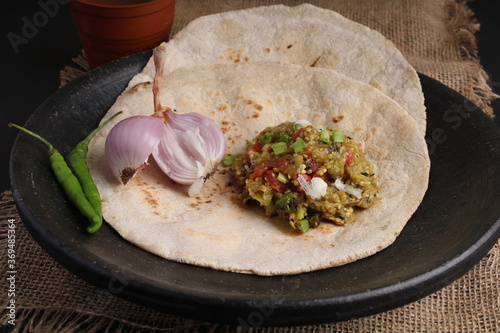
(129, 144)
(187, 147)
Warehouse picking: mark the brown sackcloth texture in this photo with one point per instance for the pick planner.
(437, 37)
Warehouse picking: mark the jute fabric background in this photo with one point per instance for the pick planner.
(437, 37)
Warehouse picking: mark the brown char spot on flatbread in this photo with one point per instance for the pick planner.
(235, 55)
(150, 199)
(258, 108)
(315, 62)
(255, 115)
(255, 105)
(223, 108)
(201, 202)
(198, 203)
(195, 205)
(227, 128)
(338, 118)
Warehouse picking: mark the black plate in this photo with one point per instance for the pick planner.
(454, 227)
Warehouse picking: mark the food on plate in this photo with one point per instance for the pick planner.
(215, 229)
(306, 174)
(305, 35)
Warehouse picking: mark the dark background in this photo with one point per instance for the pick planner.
(31, 75)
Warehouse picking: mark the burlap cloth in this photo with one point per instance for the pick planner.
(437, 37)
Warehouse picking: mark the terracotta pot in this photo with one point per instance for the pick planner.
(111, 29)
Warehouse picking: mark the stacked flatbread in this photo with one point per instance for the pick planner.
(250, 69)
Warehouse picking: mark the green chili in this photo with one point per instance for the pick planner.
(77, 161)
(69, 183)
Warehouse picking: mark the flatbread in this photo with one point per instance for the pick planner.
(215, 229)
(306, 35)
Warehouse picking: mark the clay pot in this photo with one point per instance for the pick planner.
(111, 29)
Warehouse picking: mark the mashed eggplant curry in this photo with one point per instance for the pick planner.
(305, 174)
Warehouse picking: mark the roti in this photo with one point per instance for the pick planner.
(215, 229)
(305, 35)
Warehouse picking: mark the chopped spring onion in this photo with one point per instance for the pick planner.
(229, 160)
(357, 192)
(303, 225)
(282, 178)
(338, 136)
(298, 145)
(300, 213)
(286, 204)
(264, 200)
(279, 148)
(325, 136)
(266, 138)
(301, 123)
(284, 138)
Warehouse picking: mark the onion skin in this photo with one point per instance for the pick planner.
(129, 144)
